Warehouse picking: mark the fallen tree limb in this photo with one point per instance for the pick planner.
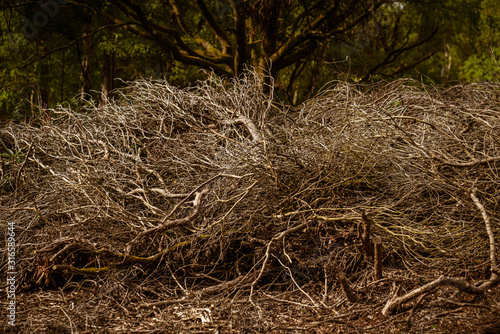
(458, 283)
(487, 224)
(124, 259)
(470, 163)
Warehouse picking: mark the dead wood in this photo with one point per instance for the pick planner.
(349, 293)
(115, 199)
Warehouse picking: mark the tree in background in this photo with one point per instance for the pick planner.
(40, 55)
(65, 48)
(53, 53)
(270, 35)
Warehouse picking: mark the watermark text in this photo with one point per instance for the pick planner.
(11, 274)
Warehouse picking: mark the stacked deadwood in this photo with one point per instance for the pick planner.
(229, 190)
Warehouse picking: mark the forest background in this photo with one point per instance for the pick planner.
(59, 51)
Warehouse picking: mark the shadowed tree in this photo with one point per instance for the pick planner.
(301, 44)
(270, 35)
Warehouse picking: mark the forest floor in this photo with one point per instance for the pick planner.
(443, 311)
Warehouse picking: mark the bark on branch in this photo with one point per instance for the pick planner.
(395, 302)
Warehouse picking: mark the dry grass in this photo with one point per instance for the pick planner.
(167, 203)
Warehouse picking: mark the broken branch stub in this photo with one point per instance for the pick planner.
(364, 234)
(351, 296)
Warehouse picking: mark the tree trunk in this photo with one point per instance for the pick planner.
(108, 76)
(43, 93)
(86, 82)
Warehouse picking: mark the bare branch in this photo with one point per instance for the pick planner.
(172, 223)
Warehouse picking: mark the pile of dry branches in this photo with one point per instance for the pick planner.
(218, 190)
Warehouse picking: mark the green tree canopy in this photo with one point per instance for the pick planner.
(65, 47)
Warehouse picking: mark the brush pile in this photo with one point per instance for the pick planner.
(184, 204)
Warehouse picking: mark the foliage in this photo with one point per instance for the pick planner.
(305, 44)
(483, 64)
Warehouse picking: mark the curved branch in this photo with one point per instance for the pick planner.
(251, 127)
(307, 33)
(151, 31)
(216, 28)
(394, 54)
(460, 284)
(487, 224)
(197, 38)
